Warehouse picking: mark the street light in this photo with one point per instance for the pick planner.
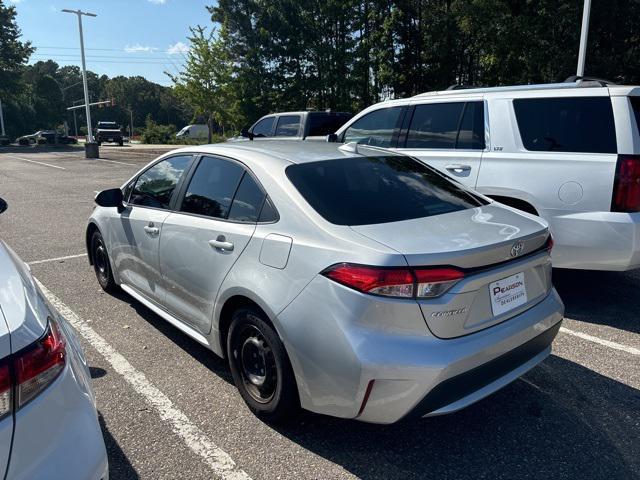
(584, 33)
(90, 148)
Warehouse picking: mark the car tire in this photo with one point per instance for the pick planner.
(101, 264)
(121, 143)
(267, 386)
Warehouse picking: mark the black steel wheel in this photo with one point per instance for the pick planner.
(260, 366)
(101, 265)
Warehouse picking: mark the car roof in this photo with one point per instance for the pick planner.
(286, 152)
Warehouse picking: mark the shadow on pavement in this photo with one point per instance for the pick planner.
(119, 465)
(561, 421)
(205, 356)
(605, 298)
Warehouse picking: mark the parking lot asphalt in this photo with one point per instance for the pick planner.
(168, 407)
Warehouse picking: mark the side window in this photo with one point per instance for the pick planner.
(154, 187)
(573, 124)
(321, 124)
(375, 128)
(264, 127)
(471, 133)
(126, 191)
(435, 125)
(247, 201)
(288, 126)
(269, 212)
(212, 187)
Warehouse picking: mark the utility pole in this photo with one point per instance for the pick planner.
(584, 33)
(90, 147)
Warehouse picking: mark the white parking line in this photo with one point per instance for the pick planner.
(220, 463)
(601, 341)
(114, 161)
(33, 161)
(57, 259)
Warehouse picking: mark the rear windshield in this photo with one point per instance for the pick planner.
(569, 124)
(371, 190)
(321, 124)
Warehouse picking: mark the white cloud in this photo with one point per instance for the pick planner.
(158, 2)
(177, 47)
(15, 1)
(139, 48)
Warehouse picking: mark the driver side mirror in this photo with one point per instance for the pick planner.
(3, 205)
(110, 198)
(245, 133)
(332, 138)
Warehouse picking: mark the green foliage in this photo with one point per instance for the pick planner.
(13, 54)
(157, 134)
(206, 81)
(345, 55)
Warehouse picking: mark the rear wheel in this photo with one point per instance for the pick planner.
(260, 366)
(101, 264)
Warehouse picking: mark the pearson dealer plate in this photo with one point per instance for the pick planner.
(507, 294)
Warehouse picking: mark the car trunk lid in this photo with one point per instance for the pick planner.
(496, 247)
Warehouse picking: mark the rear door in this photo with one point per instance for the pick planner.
(200, 243)
(6, 417)
(137, 229)
(448, 135)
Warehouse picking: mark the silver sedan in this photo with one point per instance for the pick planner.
(348, 280)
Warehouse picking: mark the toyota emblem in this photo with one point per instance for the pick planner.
(517, 249)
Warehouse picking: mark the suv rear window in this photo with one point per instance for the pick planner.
(371, 190)
(574, 124)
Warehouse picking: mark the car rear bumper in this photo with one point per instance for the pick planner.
(596, 240)
(353, 371)
(57, 435)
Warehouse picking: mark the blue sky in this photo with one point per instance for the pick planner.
(134, 37)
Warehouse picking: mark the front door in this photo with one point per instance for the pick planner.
(137, 237)
(201, 242)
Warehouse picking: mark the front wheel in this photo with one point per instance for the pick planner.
(101, 264)
(260, 367)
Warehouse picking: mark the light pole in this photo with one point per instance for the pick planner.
(584, 33)
(90, 148)
(1, 121)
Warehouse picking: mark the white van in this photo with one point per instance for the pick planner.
(568, 152)
(194, 132)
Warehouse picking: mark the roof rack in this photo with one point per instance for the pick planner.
(457, 86)
(603, 82)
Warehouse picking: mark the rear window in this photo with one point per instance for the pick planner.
(321, 124)
(575, 124)
(371, 190)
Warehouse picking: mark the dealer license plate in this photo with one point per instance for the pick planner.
(507, 294)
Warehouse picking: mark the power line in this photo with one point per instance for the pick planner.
(127, 57)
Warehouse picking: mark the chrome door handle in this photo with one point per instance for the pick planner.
(221, 243)
(151, 230)
(458, 168)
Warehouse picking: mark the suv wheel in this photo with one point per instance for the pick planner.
(101, 264)
(260, 366)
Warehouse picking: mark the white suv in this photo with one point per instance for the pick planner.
(568, 152)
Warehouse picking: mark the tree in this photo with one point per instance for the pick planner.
(206, 81)
(13, 53)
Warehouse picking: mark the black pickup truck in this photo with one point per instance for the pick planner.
(108, 132)
(295, 126)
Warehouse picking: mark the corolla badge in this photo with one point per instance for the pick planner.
(517, 249)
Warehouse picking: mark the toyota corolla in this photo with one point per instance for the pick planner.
(349, 280)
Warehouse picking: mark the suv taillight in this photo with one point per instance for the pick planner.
(626, 185)
(395, 282)
(32, 369)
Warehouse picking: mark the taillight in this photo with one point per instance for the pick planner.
(5, 389)
(395, 282)
(626, 186)
(549, 244)
(39, 365)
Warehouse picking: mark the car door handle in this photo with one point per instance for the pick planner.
(221, 244)
(458, 169)
(151, 230)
